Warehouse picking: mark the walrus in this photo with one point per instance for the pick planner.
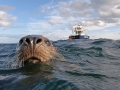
(35, 48)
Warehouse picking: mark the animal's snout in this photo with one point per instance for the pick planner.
(38, 40)
(30, 41)
(27, 40)
(32, 47)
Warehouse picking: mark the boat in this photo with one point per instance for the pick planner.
(77, 33)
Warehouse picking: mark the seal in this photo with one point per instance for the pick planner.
(35, 48)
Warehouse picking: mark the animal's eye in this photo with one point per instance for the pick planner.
(20, 42)
(48, 42)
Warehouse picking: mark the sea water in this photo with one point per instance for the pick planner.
(87, 65)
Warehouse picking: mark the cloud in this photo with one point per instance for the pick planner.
(64, 12)
(58, 20)
(58, 35)
(74, 8)
(38, 27)
(116, 12)
(6, 20)
(87, 23)
(47, 7)
(100, 28)
(6, 8)
(93, 22)
(118, 23)
(53, 22)
(39, 24)
(107, 11)
(101, 23)
(90, 11)
(95, 15)
(78, 5)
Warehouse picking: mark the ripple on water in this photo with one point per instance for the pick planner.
(89, 65)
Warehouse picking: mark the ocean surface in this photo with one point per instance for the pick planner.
(83, 65)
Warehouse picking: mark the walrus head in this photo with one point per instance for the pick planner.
(32, 48)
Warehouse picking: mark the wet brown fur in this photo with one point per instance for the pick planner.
(43, 51)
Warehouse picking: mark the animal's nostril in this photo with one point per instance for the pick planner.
(39, 40)
(27, 40)
(20, 42)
